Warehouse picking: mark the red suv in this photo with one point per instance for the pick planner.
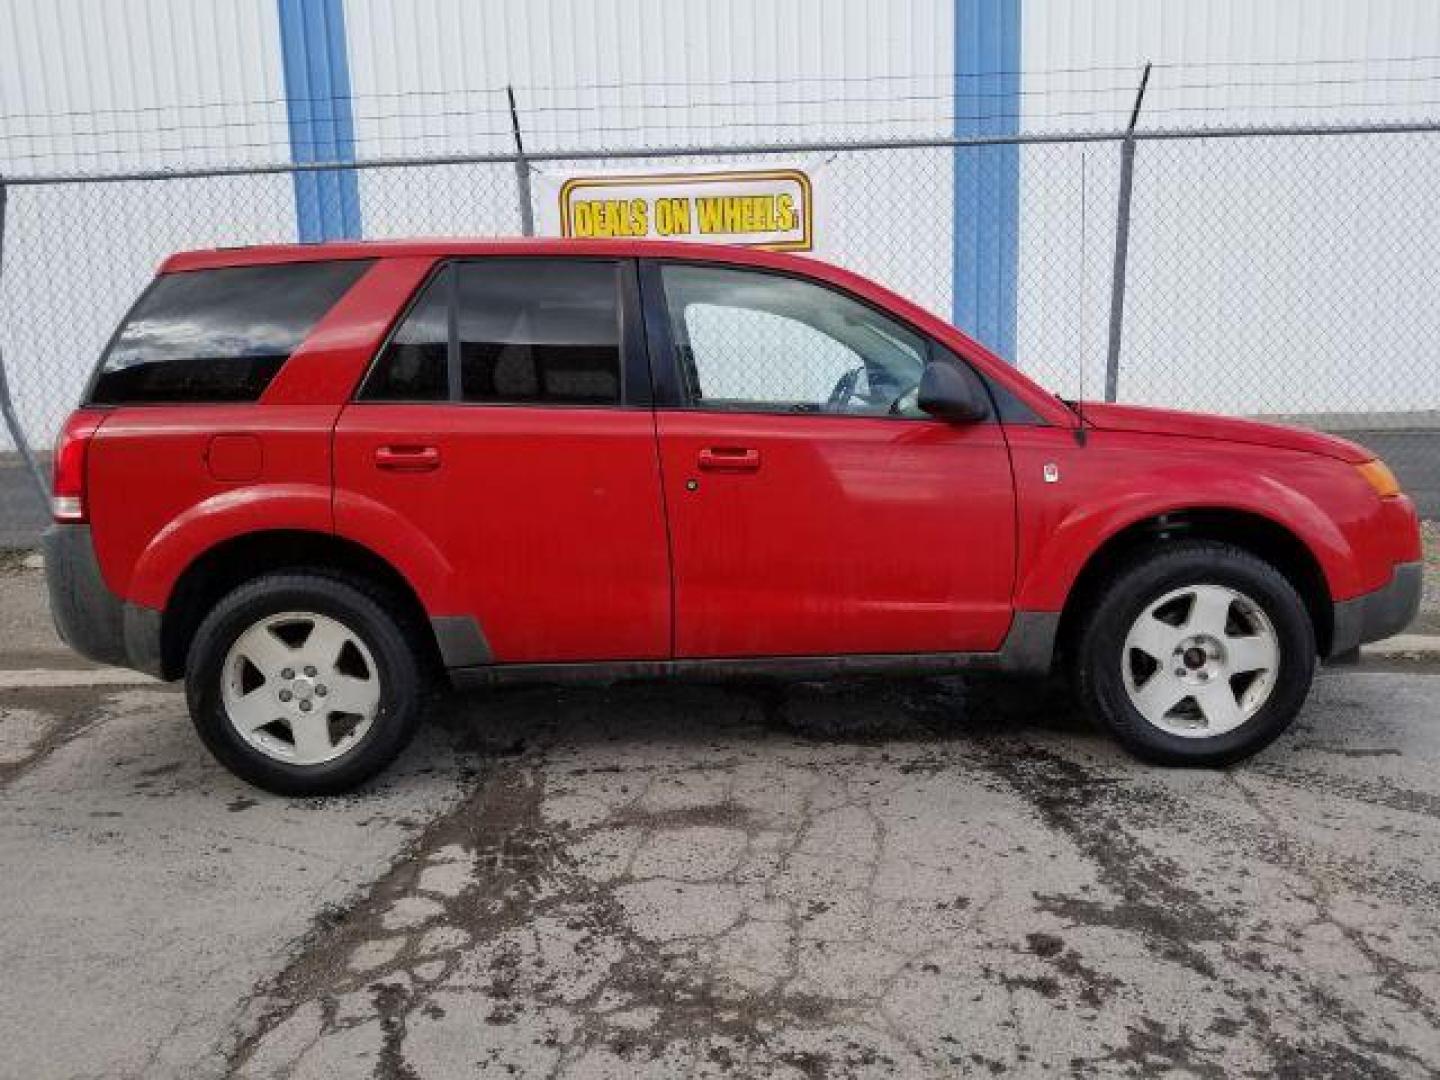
(308, 479)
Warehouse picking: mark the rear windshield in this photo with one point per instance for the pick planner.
(218, 335)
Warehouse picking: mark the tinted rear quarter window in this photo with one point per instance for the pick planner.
(218, 335)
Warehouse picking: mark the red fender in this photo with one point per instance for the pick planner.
(405, 547)
(1048, 574)
(297, 507)
(222, 517)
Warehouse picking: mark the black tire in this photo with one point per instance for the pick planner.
(366, 613)
(1144, 580)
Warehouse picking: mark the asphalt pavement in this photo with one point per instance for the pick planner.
(848, 879)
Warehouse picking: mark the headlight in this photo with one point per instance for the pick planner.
(1378, 475)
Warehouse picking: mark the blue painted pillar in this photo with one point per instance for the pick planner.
(987, 179)
(322, 123)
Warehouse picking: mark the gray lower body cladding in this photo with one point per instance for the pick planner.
(88, 616)
(1379, 614)
(1027, 649)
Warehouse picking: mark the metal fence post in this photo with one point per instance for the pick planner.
(522, 170)
(7, 407)
(1122, 245)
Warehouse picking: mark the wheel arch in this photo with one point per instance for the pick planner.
(1255, 533)
(236, 559)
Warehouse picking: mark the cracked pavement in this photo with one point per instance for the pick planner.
(907, 878)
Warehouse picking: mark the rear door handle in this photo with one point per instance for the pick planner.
(408, 458)
(729, 459)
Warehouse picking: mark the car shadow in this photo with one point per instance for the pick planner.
(506, 721)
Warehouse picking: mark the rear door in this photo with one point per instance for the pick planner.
(813, 509)
(508, 423)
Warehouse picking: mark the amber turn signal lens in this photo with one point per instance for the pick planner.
(1378, 475)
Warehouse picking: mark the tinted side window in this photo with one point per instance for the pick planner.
(413, 365)
(539, 331)
(218, 335)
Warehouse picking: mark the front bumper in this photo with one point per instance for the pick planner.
(1379, 614)
(90, 618)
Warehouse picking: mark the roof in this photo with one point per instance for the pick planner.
(260, 254)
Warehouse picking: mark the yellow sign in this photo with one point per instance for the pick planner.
(768, 209)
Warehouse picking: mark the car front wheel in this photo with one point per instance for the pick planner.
(302, 683)
(1197, 653)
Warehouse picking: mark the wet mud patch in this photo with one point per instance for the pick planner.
(487, 923)
(59, 720)
(677, 883)
(1150, 897)
(493, 826)
(1371, 792)
(873, 711)
(727, 814)
(1300, 1020)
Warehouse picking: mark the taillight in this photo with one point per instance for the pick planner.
(67, 493)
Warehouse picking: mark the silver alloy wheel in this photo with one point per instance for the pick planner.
(301, 688)
(1200, 661)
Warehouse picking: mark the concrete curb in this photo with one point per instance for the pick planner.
(65, 678)
(1405, 645)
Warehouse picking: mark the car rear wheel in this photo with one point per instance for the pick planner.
(302, 683)
(1197, 653)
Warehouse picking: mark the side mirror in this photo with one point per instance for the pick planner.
(949, 393)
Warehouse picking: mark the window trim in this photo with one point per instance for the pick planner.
(664, 360)
(634, 373)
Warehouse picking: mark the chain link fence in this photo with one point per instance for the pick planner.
(1282, 273)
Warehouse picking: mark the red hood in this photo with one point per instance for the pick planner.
(1228, 429)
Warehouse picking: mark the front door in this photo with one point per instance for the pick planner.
(507, 425)
(813, 509)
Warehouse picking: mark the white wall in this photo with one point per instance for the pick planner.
(622, 74)
(107, 86)
(111, 85)
(617, 73)
(1283, 276)
(1228, 61)
(1277, 277)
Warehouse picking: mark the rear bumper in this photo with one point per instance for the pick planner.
(90, 618)
(1379, 614)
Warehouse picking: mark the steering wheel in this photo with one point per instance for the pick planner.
(910, 391)
(844, 389)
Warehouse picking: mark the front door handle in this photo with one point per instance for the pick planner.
(729, 459)
(408, 458)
